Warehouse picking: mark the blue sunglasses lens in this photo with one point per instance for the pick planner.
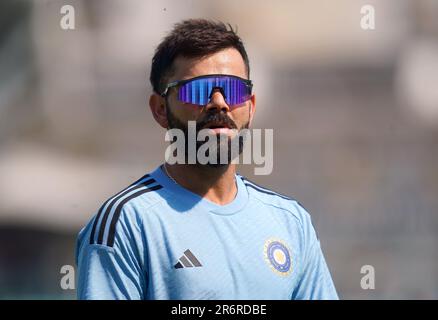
(198, 91)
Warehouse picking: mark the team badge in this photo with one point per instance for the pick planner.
(277, 255)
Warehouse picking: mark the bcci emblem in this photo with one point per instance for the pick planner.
(277, 255)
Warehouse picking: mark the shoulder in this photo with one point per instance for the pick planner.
(289, 207)
(119, 216)
(280, 201)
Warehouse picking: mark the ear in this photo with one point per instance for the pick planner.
(158, 107)
(252, 108)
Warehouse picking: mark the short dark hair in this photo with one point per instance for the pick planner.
(191, 39)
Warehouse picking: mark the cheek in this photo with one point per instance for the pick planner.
(240, 116)
(185, 111)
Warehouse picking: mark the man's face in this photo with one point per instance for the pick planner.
(216, 113)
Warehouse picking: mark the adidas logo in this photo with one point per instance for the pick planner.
(187, 260)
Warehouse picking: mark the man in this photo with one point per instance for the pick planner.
(193, 231)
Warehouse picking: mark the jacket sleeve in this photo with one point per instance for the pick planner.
(315, 282)
(112, 272)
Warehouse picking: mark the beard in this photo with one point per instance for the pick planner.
(215, 117)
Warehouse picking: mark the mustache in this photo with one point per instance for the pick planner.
(216, 117)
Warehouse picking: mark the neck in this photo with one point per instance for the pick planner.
(216, 184)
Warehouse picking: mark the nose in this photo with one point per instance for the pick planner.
(217, 101)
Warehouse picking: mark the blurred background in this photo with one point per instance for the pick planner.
(354, 113)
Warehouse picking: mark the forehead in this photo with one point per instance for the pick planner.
(227, 61)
